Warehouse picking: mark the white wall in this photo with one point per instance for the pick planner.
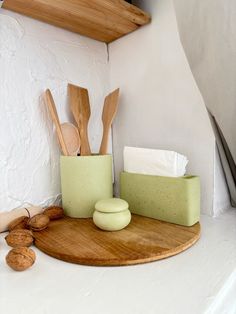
(210, 49)
(208, 32)
(161, 106)
(221, 192)
(35, 56)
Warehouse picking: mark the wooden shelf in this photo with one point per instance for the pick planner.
(103, 20)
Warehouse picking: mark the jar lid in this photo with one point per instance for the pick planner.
(111, 205)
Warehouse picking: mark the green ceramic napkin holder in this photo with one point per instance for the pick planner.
(175, 200)
(84, 181)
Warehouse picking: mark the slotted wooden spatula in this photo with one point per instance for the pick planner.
(108, 115)
(53, 111)
(80, 108)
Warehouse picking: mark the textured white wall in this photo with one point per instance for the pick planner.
(161, 106)
(35, 56)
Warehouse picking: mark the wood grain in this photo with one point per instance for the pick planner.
(80, 108)
(71, 138)
(144, 240)
(53, 112)
(103, 20)
(108, 115)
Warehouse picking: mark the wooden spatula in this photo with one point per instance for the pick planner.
(108, 115)
(80, 108)
(54, 116)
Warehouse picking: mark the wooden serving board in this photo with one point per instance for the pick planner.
(144, 240)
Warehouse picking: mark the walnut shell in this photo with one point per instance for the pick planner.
(18, 223)
(39, 222)
(54, 212)
(19, 238)
(20, 258)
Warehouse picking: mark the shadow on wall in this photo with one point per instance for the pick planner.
(160, 105)
(226, 159)
(211, 51)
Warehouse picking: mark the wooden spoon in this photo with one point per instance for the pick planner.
(71, 137)
(53, 111)
(80, 108)
(108, 115)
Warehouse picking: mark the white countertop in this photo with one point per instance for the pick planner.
(199, 280)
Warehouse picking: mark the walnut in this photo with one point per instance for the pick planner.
(39, 222)
(19, 238)
(18, 223)
(20, 258)
(54, 212)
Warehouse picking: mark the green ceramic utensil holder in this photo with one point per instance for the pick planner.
(175, 200)
(84, 181)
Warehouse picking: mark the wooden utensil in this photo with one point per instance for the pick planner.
(53, 111)
(71, 138)
(108, 115)
(80, 108)
(144, 240)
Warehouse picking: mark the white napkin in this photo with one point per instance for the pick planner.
(154, 162)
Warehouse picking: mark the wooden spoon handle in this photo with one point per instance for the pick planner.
(85, 147)
(104, 143)
(53, 111)
(108, 115)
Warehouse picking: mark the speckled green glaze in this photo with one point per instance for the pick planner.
(175, 200)
(84, 181)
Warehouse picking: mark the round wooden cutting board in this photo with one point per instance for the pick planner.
(144, 240)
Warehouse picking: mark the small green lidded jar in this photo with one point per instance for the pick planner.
(111, 214)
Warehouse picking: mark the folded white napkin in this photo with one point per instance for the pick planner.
(154, 162)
